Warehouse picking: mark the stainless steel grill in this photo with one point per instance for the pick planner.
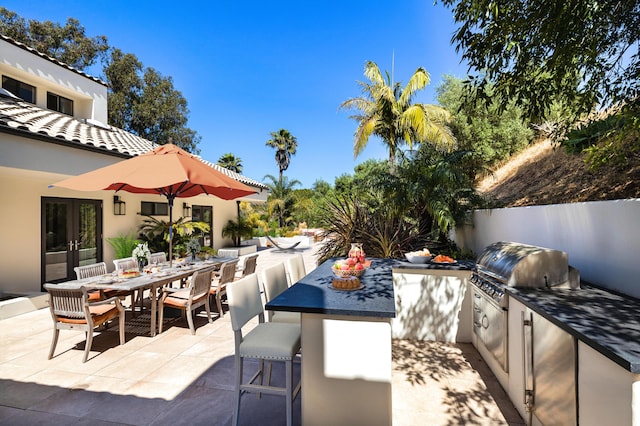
(508, 264)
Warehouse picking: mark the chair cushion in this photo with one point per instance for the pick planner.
(271, 341)
(177, 298)
(99, 313)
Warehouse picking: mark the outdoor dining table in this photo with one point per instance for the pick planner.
(152, 281)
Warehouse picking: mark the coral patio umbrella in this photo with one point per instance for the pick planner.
(167, 170)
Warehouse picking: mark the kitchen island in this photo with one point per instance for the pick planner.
(346, 345)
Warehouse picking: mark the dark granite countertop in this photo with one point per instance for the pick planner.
(606, 321)
(313, 294)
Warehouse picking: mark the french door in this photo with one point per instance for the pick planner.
(71, 236)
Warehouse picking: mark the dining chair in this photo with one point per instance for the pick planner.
(92, 270)
(295, 268)
(219, 287)
(157, 258)
(266, 341)
(188, 299)
(274, 282)
(71, 310)
(250, 263)
(127, 264)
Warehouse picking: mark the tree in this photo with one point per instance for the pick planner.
(281, 200)
(286, 145)
(231, 162)
(581, 52)
(491, 134)
(145, 103)
(68, 44)
(387, 111)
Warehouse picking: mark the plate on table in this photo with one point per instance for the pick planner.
(106, 280)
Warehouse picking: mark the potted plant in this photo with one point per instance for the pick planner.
(236, 230)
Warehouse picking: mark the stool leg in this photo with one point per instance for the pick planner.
(236, 412)
(289, 385)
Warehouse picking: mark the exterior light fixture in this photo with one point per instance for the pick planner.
(186, 210)
(119, 206)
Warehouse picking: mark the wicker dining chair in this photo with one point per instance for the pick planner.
(250, 263)
(92, 270)
(188, 299)
(219, 287)
(71, 310)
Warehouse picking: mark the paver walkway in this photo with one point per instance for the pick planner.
(178, 378)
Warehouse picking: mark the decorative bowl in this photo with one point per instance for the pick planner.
(413, 258)
(343, 273)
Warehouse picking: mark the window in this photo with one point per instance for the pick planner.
(59, 103)
(204, 214)
(22, 90)
(154, 209)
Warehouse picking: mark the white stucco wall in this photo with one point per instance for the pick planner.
(602, 238)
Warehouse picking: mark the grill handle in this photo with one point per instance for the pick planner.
(527, 359)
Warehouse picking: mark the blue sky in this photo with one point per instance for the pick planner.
(250, 68)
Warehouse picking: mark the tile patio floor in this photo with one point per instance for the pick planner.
(177, 378)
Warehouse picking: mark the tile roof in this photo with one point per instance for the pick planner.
(25, 118)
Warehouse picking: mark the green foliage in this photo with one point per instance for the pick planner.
(386, 110)
(156, 233)
(237, 229)
(285, 145)
(123, 245)
(145, 103)
(489, 134)
(281, 200)
(583, 53)
(230, 162)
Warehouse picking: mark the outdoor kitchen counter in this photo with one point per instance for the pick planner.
(607, 322)
(313, 294)
(460, 265)
(346, 345)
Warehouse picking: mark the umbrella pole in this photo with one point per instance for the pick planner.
(170, 232)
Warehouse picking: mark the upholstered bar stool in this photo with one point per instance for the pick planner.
(274, 282)
(265, 342)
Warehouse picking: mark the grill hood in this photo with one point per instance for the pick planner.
(522, 265)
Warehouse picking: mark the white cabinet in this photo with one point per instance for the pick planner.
(432, 304)
(608, 394)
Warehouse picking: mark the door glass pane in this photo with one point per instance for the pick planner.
(204, 214)
(56, 240)
(87, 235)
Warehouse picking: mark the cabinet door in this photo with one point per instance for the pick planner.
(554, 373)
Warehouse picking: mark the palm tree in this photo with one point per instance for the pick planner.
(386, 110)
(230, 162)
(281, 200)
(285, 144)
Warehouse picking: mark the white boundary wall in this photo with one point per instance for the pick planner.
(602, 238)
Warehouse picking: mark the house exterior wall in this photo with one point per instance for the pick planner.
(89, 96)
(602, 238)
(27, 168)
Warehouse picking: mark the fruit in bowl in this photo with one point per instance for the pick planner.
(347, 268)
(441, 258)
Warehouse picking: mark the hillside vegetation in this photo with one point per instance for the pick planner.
(543, 174)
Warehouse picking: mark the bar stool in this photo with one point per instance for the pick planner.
(265, 342)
